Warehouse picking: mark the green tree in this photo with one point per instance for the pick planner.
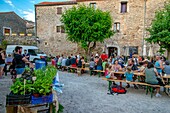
(160, 29)
(86, 25)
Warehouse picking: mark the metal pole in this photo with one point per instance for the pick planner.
(144, 25)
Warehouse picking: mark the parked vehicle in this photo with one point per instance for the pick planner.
(34, 52)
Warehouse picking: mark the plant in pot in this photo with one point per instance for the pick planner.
(36, 92)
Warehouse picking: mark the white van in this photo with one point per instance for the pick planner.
(33, 51)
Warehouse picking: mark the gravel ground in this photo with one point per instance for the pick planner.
(5, 84)
(88, 94)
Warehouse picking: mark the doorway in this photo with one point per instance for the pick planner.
(112, 51)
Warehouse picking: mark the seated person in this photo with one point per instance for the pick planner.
(104, 64)
(73, 61)
(68, 61)
(167, 68)
(63, 62)
(151, 75)
(129, 76)
(9, 59)
(116, 67)
(92, 65)
(143, 67)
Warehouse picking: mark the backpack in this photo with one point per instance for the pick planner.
(80, 63)
(117, 89)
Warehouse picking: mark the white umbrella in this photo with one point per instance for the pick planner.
(144, 50)
(127, 51)
(150, 52)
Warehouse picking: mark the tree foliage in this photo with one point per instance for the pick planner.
(160, 29)
(86, 25)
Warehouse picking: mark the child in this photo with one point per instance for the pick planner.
(129, 76)
(106, 69)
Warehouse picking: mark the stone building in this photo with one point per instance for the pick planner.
(10, 23)
(30, 27)
(130, 20)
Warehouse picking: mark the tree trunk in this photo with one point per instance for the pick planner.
(168, 53)
(89, 50)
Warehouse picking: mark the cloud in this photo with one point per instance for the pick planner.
(29, 15)
(32, 1)
(9, 2)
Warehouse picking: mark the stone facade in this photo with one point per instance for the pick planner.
(131, 25)
(21, 40)
(12, 23)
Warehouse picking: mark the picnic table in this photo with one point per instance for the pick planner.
(167, 87)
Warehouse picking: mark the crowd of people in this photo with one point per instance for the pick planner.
(153, 68)
(16, 61)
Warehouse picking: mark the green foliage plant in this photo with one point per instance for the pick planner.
(160, 29)
(86, 26)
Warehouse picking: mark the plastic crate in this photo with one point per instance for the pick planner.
(43, 99)
(12, 99)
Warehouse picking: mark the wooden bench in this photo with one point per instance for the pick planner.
(72, 69)
(99, 72)
(149, 87)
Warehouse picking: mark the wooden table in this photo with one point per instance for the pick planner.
(167, 90)
(135, 73)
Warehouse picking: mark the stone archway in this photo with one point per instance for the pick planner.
(112, 49)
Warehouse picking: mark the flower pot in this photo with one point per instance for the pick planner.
(36, 95)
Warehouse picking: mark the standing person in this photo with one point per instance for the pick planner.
(104, 56)
(73, 61)
(159, 65)
(78, 56)
(26, 55)
(63, 63)
(59, 61)
(20, 61)
(2, 62)
(53, 62)
(104, 64)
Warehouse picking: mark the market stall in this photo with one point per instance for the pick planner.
(34, 91)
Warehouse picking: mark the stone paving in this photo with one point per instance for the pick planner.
(5, 84)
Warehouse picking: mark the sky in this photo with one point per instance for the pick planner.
(24, 8)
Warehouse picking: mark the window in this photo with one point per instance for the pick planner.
(45, 43)
(6, 30)
(116, 27)
(59, 10)
(123, 7)
(58, 29)
(133, 49)
(62, 29)
(31, 52)
(93, 5)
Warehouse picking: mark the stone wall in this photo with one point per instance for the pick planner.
(52, 42)
(131, 32)
(13, 21)
(21, 40)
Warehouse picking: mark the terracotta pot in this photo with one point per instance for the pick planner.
(36, 95)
